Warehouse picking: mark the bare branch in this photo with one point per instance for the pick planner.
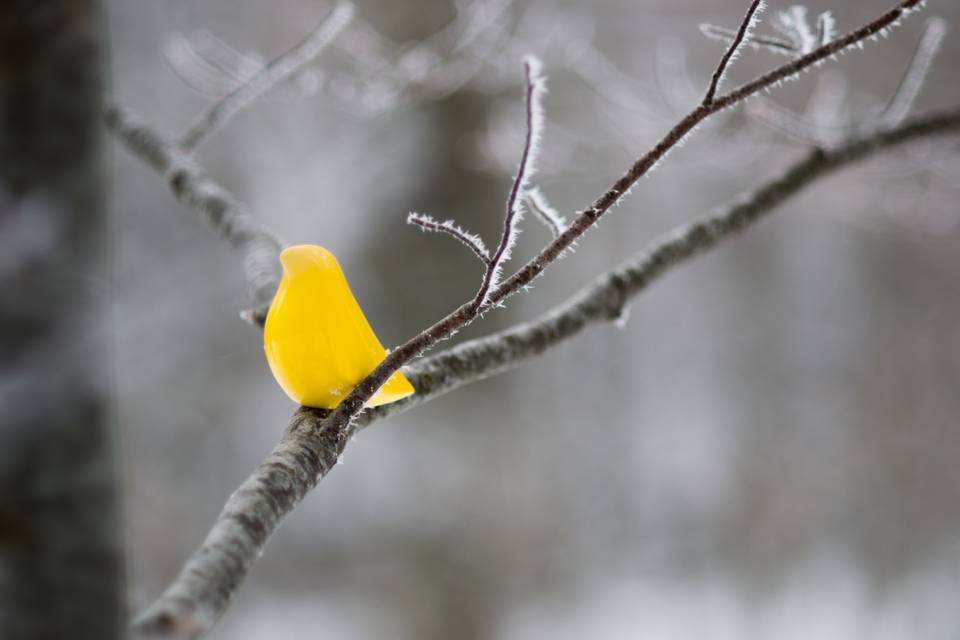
(743, 34)
(312, 444)
(471, 240)
(549, 216)
(756, 41)
(269, 76)
(855, 38)
(258, 247)
(912, 81)
(535, 89)
(342, 416)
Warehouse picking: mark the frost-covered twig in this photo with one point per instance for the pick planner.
(449, 227)
(814, 131)
(269, 76)
(756, 41)
(535, 88)
(258, 247)
(605, 299)
(316, 439)
(310, 448)
(743, 34)
(549, 216)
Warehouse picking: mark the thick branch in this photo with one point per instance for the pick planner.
(258, 247)
(310, 448)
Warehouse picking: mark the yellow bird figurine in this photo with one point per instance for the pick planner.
(318, 343)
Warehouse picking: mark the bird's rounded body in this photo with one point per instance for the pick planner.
(317, 341)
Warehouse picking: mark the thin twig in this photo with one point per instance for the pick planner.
(309, 449)
(793, 23)
(743, 33)
(534, 121)
(259, 248)
(269, 76)
(471, 240)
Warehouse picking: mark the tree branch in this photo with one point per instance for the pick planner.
(534, 90)
(308, 450)
(229, 217)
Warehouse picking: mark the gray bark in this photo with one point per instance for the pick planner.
(60, 544)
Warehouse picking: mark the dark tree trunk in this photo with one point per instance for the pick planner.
(60, 545)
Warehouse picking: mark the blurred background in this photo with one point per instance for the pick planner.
(768, 447)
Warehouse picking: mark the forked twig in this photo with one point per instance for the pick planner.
(534, 120)
(743, 34)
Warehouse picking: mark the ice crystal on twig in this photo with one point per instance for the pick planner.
(471, 240)
(535, 87)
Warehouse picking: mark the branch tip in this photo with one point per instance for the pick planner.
(471, 240)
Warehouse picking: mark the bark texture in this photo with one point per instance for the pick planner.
(60, 544)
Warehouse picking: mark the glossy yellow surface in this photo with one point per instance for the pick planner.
(316, 338)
